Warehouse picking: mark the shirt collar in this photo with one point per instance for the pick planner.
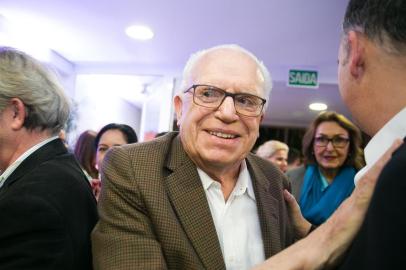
(244, 182)
(383, 139)
(10, 169)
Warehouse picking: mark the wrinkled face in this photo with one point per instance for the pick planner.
(110, 138)
(220, 137)
(329, 156)
(280, 159)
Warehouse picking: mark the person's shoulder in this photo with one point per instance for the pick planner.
(57, 168)
(143, 154)
(296, 172)
(264, 165)
(396, 165)
(159, 144)
(53, 181)
(261, 162)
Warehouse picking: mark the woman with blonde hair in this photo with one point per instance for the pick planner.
(276, 152)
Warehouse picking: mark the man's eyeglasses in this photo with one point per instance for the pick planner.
(337, 141)
(212, 97)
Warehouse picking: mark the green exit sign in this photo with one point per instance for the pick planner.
(303, 78)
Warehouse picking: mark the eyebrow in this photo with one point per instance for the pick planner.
(239, 90)
(339, 134)
(101, 144)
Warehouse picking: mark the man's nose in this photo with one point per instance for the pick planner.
(227, 109)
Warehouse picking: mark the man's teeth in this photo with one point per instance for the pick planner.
(223, 135)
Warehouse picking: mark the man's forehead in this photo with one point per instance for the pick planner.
(227, 64)
(222, 55)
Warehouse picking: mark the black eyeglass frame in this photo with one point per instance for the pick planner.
(226, 94)
(332, 140)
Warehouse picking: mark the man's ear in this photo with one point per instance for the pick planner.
(18, 113)
(356, 43)
(177, 100)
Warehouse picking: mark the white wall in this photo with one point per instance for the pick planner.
(157, 110)
(98, 102)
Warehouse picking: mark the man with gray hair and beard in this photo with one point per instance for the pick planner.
(47, 209)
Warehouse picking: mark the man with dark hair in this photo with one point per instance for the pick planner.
(47, 209)
(372, 68)
(295, 158)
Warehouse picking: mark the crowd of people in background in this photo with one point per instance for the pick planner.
(199, 198)
(321, 176)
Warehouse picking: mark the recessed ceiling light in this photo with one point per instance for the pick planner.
(139, 32)
(318, 106)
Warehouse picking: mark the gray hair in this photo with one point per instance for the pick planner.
(23, 77)
(269, 148)
(194, 59)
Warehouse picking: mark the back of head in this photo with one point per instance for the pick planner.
(23, 77)
(294, 156)
(382, 21)
(269, 148)
(355, 154)
(196, 57)
(128, 132)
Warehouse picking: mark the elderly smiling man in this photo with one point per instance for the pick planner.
(198, 199)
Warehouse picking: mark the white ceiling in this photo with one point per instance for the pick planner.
(283, 33)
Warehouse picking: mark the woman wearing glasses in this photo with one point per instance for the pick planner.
(333, 154)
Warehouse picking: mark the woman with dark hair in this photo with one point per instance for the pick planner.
(110, 135)
(85, 153)
(333, 154)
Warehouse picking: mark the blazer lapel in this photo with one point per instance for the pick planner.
(190, 203)
(268, 209)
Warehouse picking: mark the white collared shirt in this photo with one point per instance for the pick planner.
(10, 169)
(377, 146)
(236, 221)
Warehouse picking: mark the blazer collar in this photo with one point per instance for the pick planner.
(184, 186)
(44, 153)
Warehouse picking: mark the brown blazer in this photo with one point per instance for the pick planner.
(154, 213)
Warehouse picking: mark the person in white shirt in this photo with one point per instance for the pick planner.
(372, 83)
(197, 199)
(372, 68)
